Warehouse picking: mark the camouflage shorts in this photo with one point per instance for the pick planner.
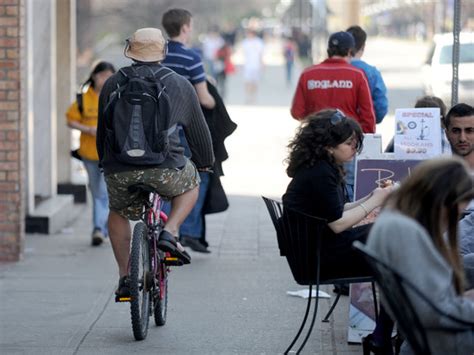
(168, 183)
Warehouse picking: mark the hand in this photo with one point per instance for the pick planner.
(92, 131)
(381, 193)
(469, 294)
(207, 169)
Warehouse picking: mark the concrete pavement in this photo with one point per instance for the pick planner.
(59, 299)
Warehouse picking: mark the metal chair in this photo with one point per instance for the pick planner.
(394, 288)
(300, 241)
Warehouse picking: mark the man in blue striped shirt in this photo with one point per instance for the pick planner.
(182, 59)
(187, 62)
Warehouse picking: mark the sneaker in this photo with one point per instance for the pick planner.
(194, 244)
(123, 289)
(97, 237)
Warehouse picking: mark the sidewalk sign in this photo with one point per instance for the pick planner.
(369, 174)
(417, 133)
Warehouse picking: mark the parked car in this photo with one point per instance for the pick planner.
(437, 71)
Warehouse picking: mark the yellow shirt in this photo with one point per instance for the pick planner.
(90, 104)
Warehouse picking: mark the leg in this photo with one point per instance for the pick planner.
(120, 234)
(193, 227)
(99, 195)
(181, 205)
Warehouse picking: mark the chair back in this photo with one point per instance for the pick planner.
(397, 301)
(299, 239)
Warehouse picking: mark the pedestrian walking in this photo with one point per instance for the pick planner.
(252, 47)
(289, 51)
(82, 115)
(378, 90)
(187, 63)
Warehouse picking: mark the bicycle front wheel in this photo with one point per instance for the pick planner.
(140, 286)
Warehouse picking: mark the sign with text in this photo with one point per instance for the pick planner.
(417, 133)
(370, 173)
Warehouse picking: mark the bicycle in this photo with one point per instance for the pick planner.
(148, 266)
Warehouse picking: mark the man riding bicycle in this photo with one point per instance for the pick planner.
(174, 177)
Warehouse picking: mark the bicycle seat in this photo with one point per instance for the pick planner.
(141, 188)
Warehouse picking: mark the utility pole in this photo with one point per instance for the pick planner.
(456, 30)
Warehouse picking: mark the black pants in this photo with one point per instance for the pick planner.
(339, 259)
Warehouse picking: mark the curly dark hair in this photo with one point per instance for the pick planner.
(317, 133)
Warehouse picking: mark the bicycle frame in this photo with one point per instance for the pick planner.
(154, 218)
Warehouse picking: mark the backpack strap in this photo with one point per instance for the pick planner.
(162, 72)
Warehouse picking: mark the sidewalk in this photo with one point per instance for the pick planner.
(59, 300)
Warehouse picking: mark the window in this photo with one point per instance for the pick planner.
(466, 54)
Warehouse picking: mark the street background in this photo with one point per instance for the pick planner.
(59, 298)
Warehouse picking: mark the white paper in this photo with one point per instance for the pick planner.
(417, 133)
(305, 293)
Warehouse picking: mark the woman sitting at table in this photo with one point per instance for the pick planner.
(322, 144)
(416, 234)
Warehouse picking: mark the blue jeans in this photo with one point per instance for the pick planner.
(100, 199)
(193, 225)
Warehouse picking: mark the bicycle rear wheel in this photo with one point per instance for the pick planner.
(161, 294)
(139, 281)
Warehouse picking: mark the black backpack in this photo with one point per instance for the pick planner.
(137, 117)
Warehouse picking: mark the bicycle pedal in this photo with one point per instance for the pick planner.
(173, 261)
(122, 299)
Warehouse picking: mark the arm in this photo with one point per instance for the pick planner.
(366, 107)
(83, 128)
(351, 205)
(205, 99)
(74, 118)
(357, 211)
(466, 234)
(189, 114)
(379, 96)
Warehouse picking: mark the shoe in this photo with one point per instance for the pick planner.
(369, 346)
(169, 243)
(123, 289)
(97, 237)
(342, 289)
(397, 341)
(194, 244)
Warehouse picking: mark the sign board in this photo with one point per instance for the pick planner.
(371, 172)
(368, 176)
(417, 133)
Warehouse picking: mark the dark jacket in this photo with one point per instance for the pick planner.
(221, 126)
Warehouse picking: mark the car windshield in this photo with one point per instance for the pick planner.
(466, 54)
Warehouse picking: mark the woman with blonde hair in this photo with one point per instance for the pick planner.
(417, 235)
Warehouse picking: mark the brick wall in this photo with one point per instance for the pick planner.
(12, 166)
